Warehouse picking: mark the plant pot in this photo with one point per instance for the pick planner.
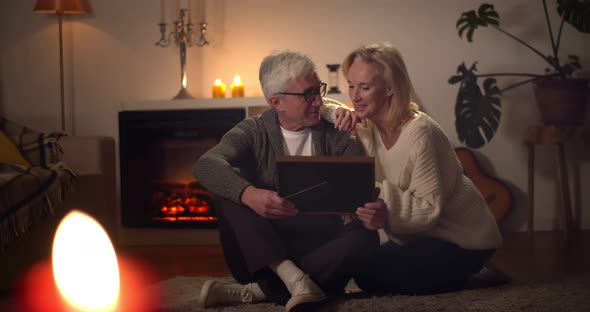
(562, 101)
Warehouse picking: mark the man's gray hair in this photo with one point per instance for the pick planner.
(280, 67)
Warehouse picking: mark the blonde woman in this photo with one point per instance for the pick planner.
(438, 230)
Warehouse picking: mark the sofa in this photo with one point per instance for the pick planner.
(33, 180)
(43, 176)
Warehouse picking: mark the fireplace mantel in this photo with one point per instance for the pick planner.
(252, 105)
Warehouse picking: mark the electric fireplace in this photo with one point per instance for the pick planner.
(158, 149)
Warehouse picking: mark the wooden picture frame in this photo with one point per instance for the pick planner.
(326, 185)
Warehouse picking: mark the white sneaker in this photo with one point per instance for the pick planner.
(216, 293)
(304, 290)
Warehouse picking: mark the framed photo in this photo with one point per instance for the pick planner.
(326, 184)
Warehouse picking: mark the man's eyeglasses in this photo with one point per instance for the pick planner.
(310, 94)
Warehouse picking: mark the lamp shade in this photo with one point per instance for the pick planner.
(61, 7)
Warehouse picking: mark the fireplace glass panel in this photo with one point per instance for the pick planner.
(157, 152)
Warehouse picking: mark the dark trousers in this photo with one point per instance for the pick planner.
(323, 247)
(422, 267)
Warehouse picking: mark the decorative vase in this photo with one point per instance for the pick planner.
(562, 101)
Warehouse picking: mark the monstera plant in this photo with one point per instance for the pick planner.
(478, 108)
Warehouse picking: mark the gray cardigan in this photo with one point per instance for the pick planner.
(246, 154)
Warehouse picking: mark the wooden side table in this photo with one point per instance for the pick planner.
(556, 136)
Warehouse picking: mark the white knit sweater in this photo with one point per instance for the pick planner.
(423, 185)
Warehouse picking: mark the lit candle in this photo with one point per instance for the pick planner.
(85, 274)
(190, 9)
(237, 87)
(162, 12)
(202, 9)
(218, 89)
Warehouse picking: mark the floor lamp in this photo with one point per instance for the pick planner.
(61, 8)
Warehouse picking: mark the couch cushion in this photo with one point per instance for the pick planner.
(9, 153)
(39, 149)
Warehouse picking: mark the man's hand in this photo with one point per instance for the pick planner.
(268, 204)
(373, 214)
(346, 120)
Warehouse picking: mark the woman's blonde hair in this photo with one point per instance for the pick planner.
(393, 70)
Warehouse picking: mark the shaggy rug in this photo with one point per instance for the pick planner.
(562, 293)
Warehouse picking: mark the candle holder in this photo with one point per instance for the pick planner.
(183, 35)
(333, 78)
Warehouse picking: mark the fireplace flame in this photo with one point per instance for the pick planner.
(184, 202)
(85, 267)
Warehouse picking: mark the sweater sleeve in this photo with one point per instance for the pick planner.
(216, 168)
(329, 108)
(415, 202)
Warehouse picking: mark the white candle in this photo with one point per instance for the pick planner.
(202, 8)
(162, 12)
(190, 9)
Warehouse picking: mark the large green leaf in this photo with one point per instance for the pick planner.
(576, 13)
(469, 21)
(477, 113)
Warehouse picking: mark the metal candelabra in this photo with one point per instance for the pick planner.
(183, 35)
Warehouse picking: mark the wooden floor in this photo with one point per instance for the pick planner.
(546, 253)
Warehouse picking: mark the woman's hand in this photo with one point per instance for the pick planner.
(268, 204)
(373, 214)
(347, 119)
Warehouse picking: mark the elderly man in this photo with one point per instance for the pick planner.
(273, 253)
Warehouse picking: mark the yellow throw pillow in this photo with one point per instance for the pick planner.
(9, 153)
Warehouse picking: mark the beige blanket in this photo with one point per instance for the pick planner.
(27, 195)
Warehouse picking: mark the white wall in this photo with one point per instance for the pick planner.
(110, 59)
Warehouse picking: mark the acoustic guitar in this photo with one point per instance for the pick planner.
(496, 194)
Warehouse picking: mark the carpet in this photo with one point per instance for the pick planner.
(558, 293)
